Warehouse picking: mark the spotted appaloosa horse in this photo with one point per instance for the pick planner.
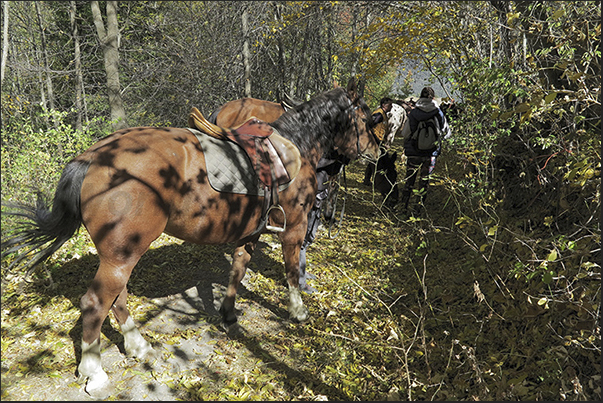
(396, 118)
(140, 182)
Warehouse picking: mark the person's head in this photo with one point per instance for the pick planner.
(428, 92)
(386, 103)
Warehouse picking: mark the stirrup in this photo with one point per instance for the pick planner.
(273, 228)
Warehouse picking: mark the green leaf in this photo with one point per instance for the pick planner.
(523, 107)
(547, 277)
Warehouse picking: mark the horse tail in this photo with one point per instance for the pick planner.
(40, 231)
(213, 118)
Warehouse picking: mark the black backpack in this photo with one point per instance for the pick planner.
(427, 135)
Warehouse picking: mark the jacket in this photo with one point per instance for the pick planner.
(425, 109)
(380, 119)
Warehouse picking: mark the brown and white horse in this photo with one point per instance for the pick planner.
(140, 182)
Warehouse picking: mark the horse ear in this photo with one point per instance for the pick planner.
(361, 85)
(352, 89)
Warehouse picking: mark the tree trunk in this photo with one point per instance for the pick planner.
(503, 8)
(281, 56)
(80, 100)
(354, 33)
(4, 41)
(537, 41)
(304, 68)
(48, 80)
(109, 40)
(246, 54)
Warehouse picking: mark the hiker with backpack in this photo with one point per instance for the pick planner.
(423, 133)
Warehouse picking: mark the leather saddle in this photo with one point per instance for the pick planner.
(276, 160)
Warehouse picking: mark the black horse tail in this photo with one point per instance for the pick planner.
(40, 232)
(213, 118)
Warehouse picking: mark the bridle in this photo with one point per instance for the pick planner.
(352, 112)
(331, 221)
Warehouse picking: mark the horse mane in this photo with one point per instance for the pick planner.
(313, 123)
(213, 118)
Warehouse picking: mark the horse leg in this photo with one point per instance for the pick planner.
(108, 292)
(104, 291)
(134, 343)
(297, 310)
(240, 258)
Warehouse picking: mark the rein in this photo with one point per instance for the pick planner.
(331, 221)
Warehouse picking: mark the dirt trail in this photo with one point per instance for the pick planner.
(188, 321)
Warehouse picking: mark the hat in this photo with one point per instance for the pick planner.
(427, 92)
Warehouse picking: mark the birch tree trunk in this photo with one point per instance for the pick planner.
(281, 55)
(80, 100)
(4, 40)
(46, 69)
(109, 40)
(246, 54)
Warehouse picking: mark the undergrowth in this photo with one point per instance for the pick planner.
(480, 296)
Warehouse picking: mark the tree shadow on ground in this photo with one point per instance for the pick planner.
(181, 281)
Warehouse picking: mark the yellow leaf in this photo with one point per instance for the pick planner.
(558, 14)
(511, 17)
(552, 256)
(549, 98)
(526, 116)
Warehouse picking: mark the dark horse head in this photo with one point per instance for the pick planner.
(313, 123)
(386, 178)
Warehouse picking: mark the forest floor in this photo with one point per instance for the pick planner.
(405, 310)
(188, 340)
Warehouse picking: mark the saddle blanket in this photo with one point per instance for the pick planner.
(229, 168)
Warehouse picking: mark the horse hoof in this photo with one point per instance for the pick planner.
(98, 385)
(142, 352)
(228, 318)
(233, 330)
(300, 315)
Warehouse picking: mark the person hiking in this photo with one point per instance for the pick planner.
(421, 152)
(379, 127)
(328, 166)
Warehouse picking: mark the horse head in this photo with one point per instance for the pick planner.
(358, 140)
(336, 120)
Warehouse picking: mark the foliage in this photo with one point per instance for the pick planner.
(34, 158)
(406, 310)
(493, 293)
